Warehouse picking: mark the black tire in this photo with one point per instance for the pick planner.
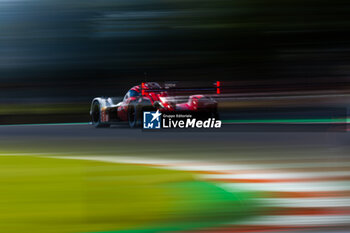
(96, 116)
(216, 116)
(133, 115)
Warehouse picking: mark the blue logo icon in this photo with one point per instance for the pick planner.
(151, 120)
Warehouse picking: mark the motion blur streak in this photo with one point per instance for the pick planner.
(279, 163)
(323, 213)
(62, 196)
(289, 181)
(56, 54)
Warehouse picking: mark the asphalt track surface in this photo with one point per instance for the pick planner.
(260, 131)
(234, 137)
(306, 171)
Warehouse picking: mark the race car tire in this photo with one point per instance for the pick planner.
(96, 116)
(133, 115)
(215, 115)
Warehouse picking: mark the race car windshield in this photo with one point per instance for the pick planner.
(133, 93)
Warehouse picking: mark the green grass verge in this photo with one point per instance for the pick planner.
(48, 195)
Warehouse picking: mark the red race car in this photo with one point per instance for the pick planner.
(151, 96)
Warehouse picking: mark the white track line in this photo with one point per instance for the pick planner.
(302, 220)
(305, 202)
(202, 165)
(242, 167)
(279, 175)
(318, 186)
(125, 159)
(198, 165)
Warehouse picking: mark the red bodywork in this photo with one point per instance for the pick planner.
(163, 100)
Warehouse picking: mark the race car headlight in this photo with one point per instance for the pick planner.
(158, 105)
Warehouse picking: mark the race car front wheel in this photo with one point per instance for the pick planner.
(133, 116)
(96, 116)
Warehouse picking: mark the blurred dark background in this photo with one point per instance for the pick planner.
(55, 55)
